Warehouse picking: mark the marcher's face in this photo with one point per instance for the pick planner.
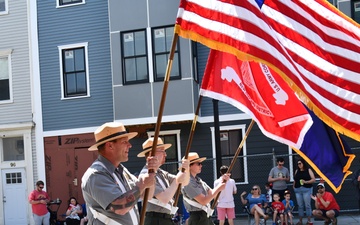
(280, 164)
(196, 167)
(300, 164)
(320, 189)
(161, 155)
(121, 151)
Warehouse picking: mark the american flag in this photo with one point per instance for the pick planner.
(309, 43)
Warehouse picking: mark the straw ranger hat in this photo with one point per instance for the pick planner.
(147, 146)
(108, 132)
(193, 157)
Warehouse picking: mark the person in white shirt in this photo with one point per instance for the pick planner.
(226, 206)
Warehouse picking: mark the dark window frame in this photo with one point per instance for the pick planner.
(134, 56)
(66, 73)
(61, 2)
(167, 53)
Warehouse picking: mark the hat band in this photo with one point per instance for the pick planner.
(151, 147)
(194, 159)
(111, 136)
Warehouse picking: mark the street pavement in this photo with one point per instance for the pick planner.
(343, 219)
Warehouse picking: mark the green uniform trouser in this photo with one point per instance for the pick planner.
(157, 219)
(199, 218)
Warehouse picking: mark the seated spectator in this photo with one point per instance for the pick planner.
(278, 209)
(326, 207)
(257, 202)
(73, 211)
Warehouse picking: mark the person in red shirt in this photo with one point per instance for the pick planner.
(326, 206)
(38, 200)
(278, 209)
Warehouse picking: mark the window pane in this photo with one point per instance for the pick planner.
(175, 66)
(4, 68)
(79, 59)
(128, 43)
(130, 68)
(169, 37)
(159, 40)
(161, 66)
(140, 43)
(4, 79)
(357, 11)
(70, 84)
(13, 149)
(141, 66)
(2, 5)
(69, 61)
(81, 82)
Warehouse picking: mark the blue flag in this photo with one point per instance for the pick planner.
(327, 153)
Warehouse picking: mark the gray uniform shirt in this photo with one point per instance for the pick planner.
(275, 172)
(195, 187)
(100, 188)
(169, 178)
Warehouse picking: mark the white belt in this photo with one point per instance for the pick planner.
(173, 209)
(106, 220)
(209, 211)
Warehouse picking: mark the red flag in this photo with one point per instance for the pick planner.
(258, 91)
(310, 44)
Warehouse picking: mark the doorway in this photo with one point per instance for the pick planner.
(15, 202)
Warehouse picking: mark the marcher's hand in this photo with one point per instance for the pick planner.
(242, 194)
(358, 178)
(152, 163)
(185, 163)
(222, 186)
(146, 180)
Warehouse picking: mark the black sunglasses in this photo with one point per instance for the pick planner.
(320, 187)
(254, 189)
(41, 187)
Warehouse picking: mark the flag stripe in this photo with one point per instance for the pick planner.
(321, 68)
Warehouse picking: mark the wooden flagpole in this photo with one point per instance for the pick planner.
(191, 135)
(158, 123)
(234, 158)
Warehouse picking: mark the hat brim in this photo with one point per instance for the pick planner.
(129, 135)
(143, 153)
(197, 160)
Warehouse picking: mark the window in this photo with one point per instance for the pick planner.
(172, 154)
(5, 75)
(134, 56)
(230, 138)
(3, 7)
(74, 67)
(195, 61)
(162, 41)
(70, 2)
(356, 11)
(13, 148)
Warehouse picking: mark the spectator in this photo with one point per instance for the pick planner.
(278, 176)
(39, 199)
(257, 203)
(226, 205)
(326, 205)
(73, 211)
(278, 209)
(289, 206)
(303, 187)
(197, 195)
(268, 188)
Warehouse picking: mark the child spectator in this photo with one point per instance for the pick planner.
(278, 209)
(268, 189)
(289, 205)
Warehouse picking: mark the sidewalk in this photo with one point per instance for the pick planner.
(343, 219)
